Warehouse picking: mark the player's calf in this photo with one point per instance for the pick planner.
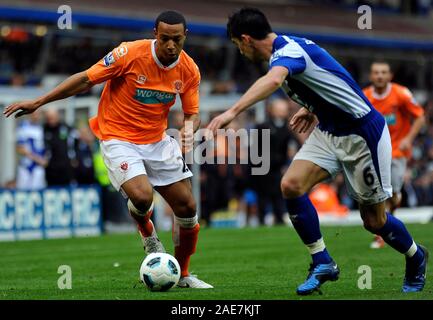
(185, 237)
(146, 228)
(395, 234)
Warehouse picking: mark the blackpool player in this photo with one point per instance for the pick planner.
(142, 80)
(351, 137)
(404, 117)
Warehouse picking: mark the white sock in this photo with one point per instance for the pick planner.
(412, 250)
(186, 223)
(316, 247)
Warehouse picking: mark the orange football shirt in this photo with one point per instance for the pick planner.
(399, 108)
(139, 92)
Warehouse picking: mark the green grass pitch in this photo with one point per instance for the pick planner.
(261, 263)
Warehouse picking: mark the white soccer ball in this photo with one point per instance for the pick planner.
(160, 271)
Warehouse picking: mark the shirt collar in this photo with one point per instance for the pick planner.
(279, 41)
(384, 94)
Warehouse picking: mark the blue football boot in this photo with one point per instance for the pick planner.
(414, 278)
(318, 274)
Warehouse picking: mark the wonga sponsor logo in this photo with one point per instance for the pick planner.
(148, 96)
(390, 119)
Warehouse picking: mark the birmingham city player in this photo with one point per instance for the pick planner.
(404, 117)
(351, 137)
(142, 80)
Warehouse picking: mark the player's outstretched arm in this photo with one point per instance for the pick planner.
(73, 85)
(260, 90)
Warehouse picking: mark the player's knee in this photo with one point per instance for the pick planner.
(190, 208)
(186, 208)
(141, 199)
(292, 188)
(373, 223)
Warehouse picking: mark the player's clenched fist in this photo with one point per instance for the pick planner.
(24, 107)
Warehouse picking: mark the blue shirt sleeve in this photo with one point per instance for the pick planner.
(294, 65)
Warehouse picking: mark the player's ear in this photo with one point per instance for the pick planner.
(155, 32)
(186, 32)
(245, 38)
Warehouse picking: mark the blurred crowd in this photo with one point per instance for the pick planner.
(50, 153)
(61, 155)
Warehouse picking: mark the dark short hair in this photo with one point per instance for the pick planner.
(250, 21)
(170, 17)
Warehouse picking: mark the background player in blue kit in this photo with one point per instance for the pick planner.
(31, 149)
(351, 137)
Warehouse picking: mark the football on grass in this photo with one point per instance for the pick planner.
(160, 271)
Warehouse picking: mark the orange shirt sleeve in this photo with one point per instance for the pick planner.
(191, 96)
(111, 66)
(410, 105)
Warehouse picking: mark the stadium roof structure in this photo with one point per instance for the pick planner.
(329, 24)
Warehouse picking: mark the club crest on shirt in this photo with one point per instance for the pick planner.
(124, 166)
(141, 79)
(178, 85)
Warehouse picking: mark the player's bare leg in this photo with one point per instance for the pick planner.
(185, 228)
(395, 234)
(301, 176)
(394, 202)
(140, 205)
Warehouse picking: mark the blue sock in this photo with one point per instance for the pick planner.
(396, 235)
(306, 223)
